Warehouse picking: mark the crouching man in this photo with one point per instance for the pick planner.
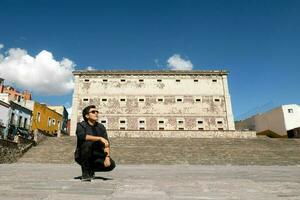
(93, 147)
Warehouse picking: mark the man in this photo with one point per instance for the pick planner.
(93, 147)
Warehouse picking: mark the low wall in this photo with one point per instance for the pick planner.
(183, 134)
(39, 136)
(11, 151)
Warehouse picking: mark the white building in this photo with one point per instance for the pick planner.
(4, 116)
(283, 121)
(155, 100)
(20, 115)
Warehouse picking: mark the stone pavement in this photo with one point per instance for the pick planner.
(59, 182)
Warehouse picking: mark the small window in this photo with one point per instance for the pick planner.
(290, 110)
(179, 100)
(122, 121)
(123, 100)
(181, 128)
(103, 121)
(177, 80)
(160, 99)
(142, 128)
(214, 80)
(141, 80)
(49, 122)
(195, 80)
(161, 128)
(53, 122)
(142, 121)
(161, 122)
(200, 129)
(198, 100)
(104, 80)
(122, 128)
(85, 99)
(217, 100)
(200, 122)
(86, 80)
(220, 122)
(159, 80)
(20, 121)
(180, 122)
(25, 122)
(104, 99)
(141, 100)
(38, 117)
(123, 80)
(220, 129)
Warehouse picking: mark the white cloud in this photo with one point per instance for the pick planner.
(175, 62)
(41, 74)
(90, 68)
(1, 46)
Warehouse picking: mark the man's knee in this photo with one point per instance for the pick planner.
(101, 168)
(112, 165)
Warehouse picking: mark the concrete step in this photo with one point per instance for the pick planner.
(260, 151)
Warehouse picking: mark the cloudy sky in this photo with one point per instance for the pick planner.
(42, 42)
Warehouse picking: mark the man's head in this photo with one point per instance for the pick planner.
(90, 113)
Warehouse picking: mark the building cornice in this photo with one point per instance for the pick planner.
(150, 72)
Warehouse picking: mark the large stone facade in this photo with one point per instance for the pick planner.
(155, 100)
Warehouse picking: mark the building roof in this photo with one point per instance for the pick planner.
(4, 104)
(14, 104)
(150, 72)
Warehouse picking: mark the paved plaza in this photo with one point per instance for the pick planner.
(161, 168)
(60, 181)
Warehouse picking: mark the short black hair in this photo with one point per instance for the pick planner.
(86, 111)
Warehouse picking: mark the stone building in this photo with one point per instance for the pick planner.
(155, 100)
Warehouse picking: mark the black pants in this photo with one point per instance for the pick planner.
(92, 157)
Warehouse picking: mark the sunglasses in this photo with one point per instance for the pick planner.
(94, 111)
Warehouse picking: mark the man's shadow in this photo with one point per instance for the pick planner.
(96, 177)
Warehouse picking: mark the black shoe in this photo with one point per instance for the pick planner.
(92, 174)
(86, 176)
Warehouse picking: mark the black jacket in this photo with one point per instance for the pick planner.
(82, 129)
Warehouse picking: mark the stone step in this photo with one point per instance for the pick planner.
(260, 151)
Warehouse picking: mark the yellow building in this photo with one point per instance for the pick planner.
(44, 119)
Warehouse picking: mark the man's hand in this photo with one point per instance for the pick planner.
(104, 141)
(107, 161)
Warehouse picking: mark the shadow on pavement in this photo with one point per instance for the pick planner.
(96, 177)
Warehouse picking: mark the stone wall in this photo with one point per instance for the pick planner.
(11, 151)
(155, 100)
(183, 134)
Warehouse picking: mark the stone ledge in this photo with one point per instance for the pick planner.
(183, 134)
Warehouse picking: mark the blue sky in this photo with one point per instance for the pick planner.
(258, 42)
